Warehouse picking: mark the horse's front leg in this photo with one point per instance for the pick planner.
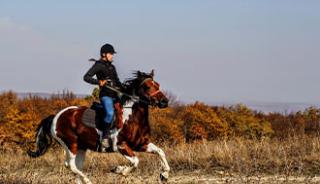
(151, 148)
(127, 152)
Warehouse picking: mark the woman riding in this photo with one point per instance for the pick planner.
(106, 74)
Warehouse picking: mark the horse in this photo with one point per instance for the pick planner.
(67, 128)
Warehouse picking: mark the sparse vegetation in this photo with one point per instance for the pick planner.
(216, 141)
(237, 157)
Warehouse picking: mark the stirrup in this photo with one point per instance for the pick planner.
(105, 143)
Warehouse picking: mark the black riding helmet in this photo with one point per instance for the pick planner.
(107, 48)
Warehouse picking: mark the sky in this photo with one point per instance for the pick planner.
(208, 50)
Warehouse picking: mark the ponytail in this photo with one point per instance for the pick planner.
(93, 60)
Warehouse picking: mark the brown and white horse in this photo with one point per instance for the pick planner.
(67, 128)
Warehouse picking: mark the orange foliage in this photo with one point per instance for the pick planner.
(165, 126)
(179, 123)
(20, 117)
(201, 121)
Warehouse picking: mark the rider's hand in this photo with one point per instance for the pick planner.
(102, 83)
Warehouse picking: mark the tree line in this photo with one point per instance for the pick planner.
(179, 123)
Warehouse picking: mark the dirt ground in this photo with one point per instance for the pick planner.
(189, 164)
(64, 176)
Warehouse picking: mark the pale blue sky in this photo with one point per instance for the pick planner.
(212, 51)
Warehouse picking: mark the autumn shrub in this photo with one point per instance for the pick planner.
(165, 127)
(20, 117)
(7, 100)
(244, 122)
(305, 122)
(178, 123)
(201, 122)
(312, 120)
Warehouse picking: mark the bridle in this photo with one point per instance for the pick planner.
(135, 97)
(153, 93)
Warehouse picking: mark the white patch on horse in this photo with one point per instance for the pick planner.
(114, 138)
(72, 160)
(54, 133)
(127, 111)
(134, 160)
(99, 132)
(125, 170)
(75, 162)
(55, 120)
(155, 149)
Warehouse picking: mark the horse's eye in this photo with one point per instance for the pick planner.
(145, 87)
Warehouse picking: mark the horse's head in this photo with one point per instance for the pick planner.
(147, 89)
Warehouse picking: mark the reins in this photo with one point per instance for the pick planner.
(135, 98)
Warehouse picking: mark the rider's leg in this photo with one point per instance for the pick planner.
(107, 103)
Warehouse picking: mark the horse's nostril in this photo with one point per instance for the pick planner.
(163, 103)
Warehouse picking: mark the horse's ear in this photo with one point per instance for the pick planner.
(152, 73)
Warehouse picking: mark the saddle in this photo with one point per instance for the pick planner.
(93, 116)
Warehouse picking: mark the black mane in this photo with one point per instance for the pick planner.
(131, 84)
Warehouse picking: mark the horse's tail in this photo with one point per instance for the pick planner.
(43, 137)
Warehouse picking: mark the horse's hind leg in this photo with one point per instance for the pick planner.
(80, 157)
(151, 148)
(67, 160)
(74, 162)
(71, 155)
(127, 152)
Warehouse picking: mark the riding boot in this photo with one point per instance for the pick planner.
(105, 136)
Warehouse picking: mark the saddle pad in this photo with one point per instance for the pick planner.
(89, 118)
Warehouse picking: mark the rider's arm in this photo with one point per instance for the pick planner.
(117, 80)
(88, 77)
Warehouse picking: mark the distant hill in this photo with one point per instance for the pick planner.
(281, 107)
(268, 107)
(265, 107)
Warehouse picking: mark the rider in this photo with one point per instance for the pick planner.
(106, 74)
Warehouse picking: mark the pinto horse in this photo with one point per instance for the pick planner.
(67, 128)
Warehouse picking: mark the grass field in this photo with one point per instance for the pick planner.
(237, 160)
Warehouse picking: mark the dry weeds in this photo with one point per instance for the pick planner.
(237, 160)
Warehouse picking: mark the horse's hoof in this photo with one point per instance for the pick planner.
(113, 169)
(164, 177)
(87, 181)
(118, 169)
(66, 164)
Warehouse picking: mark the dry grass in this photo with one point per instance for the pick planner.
(236, 157)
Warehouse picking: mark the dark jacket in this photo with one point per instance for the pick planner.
(104, 71)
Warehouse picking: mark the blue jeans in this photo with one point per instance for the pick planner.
(107, 103)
